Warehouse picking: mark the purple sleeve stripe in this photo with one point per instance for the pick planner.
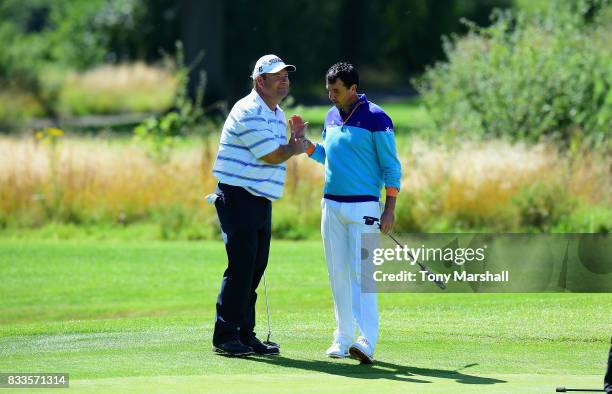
(249, 131)
(235, 146)
(261, 142)
(244, 163)
(257, 118)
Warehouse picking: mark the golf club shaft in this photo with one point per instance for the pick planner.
(267, 306)
(440, 284)
(564, 390)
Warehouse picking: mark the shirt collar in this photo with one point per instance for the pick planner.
(361, 98)
(262, 103)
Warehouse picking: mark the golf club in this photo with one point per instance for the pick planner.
(565, 390)
(267, 341)
(369, 220)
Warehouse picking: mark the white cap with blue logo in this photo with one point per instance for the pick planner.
(270, 64)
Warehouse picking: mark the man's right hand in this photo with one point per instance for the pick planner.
(296, 144)
(298, 126)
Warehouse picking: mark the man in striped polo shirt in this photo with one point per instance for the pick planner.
(358, 151)
(250, 167)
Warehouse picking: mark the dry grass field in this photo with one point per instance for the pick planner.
(491, 185)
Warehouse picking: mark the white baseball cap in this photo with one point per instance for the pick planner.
(270, 64)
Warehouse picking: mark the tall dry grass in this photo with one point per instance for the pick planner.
(123, 88)
(499, 186)
(476, 185)
(91, 180)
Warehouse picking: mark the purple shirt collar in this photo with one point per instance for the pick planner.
(361, 98)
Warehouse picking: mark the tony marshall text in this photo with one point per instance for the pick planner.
(457, 276)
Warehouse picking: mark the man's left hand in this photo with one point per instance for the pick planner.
(387, 219)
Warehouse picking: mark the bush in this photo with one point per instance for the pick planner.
(43, 38)
(163, 133)
(546, 74)
(541, 206)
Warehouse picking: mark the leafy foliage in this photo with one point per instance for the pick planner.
(162, 134)
(526, 76)
(42, 36)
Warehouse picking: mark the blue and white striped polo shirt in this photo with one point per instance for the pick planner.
(251, 131)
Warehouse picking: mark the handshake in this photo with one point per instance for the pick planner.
(298, 143)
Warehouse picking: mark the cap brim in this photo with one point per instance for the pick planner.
(289, 67)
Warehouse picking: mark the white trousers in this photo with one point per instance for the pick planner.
(342, 224)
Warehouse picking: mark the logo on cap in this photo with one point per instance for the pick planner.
(270, 64)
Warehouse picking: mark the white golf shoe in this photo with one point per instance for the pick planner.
(362, 350)
(337, 350)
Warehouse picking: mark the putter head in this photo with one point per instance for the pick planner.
(271, 344)
(268, 342)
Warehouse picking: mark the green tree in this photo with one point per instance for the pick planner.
(527, 76)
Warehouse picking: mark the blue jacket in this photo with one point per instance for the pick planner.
(359, 153)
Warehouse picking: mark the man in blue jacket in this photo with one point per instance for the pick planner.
(359, 154)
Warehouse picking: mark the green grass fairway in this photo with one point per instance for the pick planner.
(137, 317)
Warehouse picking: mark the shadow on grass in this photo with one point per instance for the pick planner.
(379, 370)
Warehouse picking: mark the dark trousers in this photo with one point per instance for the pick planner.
(246, 221)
